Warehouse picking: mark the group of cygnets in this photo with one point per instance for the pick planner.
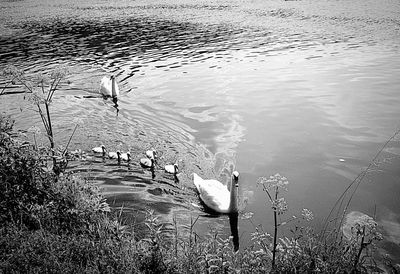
(212, 192)
(147, 162)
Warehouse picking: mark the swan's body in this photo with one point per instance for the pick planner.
(115, 155)
(100, 149)
(147, 163)
(126, 157)
(152, 153)
(216, 195)
(109, 87)
(172, 169)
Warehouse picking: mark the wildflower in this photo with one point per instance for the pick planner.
(275, 181)
(59, 72)
(11, 70)
(247, 215)
(77, 121)
(279, 205)
(34, 129)
(37, 98)
(307, 214)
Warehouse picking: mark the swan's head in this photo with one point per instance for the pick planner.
(235, 177)
(176, 167)
(103, 147)
(118, 152)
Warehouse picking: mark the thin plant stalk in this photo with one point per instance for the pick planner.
(275, 231)
(359, 251)
(70, 138)
(358, 179)
(6, 86)
(34, 138)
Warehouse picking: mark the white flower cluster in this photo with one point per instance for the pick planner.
(307, 214)
(274, 181)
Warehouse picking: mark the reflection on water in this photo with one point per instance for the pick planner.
(261, 87)
(233, 223)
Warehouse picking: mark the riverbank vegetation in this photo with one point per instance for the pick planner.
(52, 221)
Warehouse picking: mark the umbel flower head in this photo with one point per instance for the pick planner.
(275, 181)
(307, 214)
(279, 205)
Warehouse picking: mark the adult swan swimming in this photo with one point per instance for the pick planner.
(109, 87)
(216, 195)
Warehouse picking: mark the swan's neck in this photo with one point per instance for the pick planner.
(233, 206)
(113, 92)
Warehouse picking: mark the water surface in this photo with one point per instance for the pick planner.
(306, 89)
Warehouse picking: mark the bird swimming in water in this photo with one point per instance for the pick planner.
(216, 196)
(172, 169)
(152, 153)
(149, 161)
(126, 156)
(100, 149)
(115, 155)
(109, 87)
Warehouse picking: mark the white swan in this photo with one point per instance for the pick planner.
(216, 195)
(152, 153)
(115, 155)
(100, 149)
(172, 169)
(109, 87)
(147, 163)
(126, 156)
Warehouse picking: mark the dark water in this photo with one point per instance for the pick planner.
(306, 89)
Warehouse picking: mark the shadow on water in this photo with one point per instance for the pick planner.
(233, 222)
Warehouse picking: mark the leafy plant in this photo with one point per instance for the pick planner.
(272, 186)
(41, 89)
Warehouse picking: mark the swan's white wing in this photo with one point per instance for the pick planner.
(146, 162)
(170, 168)
(113, 155)
(150, 154)
(213, 193)
(124, 156)
(97, 149)
(105, 86)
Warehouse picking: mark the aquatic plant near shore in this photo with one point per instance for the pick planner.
(271, 186)
(41, 89)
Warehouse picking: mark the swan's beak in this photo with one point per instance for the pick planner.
(235, 176)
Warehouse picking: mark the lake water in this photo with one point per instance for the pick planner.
(308, 89)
